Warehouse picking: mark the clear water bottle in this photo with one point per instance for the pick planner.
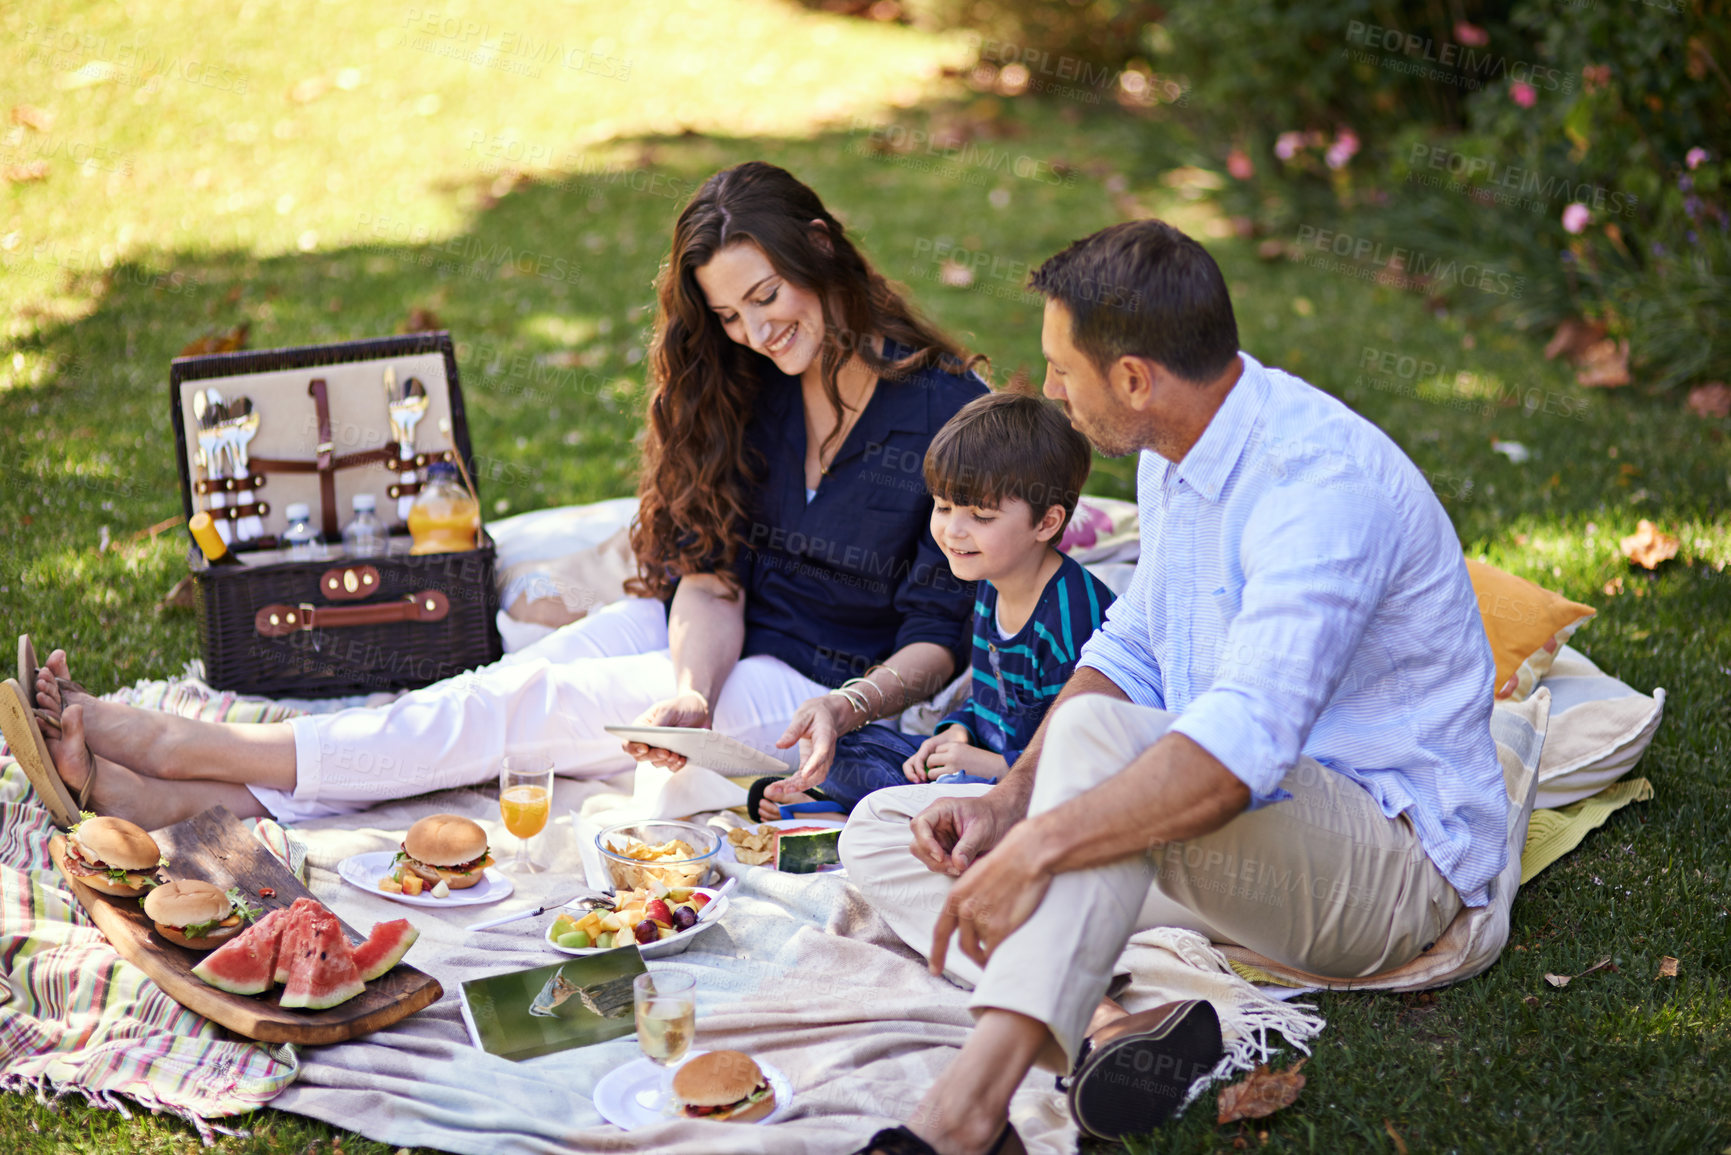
(300, 539)
(364, 536)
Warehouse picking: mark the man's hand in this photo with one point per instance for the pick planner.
(686, 709)
(816, 726)
(915, 769)
(952, 833)
(987, 905)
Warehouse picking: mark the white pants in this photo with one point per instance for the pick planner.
(551, 698)
(1322, 881)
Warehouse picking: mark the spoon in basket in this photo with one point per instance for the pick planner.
(243, 427)
(406, 405)
(207, 410)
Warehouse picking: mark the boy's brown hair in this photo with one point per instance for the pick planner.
(1009, 445)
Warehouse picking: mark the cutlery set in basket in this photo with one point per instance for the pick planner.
(260, 431)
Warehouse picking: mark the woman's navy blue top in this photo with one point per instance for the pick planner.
(838, 584)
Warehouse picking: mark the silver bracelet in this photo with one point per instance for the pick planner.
(854, 699)
(906, 697)
(883, 698)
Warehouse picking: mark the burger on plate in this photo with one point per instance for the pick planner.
(114, 856)
(725, 1086)
(195, 914)
(445, 848)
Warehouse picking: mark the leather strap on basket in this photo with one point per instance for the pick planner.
(265, 465)
(281, 619)
(327, 459)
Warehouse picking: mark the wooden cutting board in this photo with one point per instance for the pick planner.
(216, 848)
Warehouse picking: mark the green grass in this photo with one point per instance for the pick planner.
(530, 214)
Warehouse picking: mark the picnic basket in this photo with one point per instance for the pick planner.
(340, 626)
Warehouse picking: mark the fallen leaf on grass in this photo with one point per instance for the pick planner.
(421, 320)
(1648, 545)
(1261, 1093)
(1399, 1143)
(1531, 1000)
(32, 117)
(1573, 338)
(1564, 980)
(230, 342)
(26, 172)
(1667, 968)
(1710, 400)
(1605, 365)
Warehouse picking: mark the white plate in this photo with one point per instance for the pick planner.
(823, 820)
(616, 1093)
(678, 944)
(365, 870)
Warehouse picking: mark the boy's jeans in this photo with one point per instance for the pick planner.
(870, 759)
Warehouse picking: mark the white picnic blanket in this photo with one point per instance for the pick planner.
(801, 973)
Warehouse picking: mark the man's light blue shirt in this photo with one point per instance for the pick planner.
(1301, 591)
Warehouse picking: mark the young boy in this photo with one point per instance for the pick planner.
(1005, 473)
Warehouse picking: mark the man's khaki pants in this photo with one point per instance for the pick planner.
(1321, 881)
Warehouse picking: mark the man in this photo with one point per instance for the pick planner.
(1280, 737)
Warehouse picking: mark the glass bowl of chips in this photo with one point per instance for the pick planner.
(641, 855)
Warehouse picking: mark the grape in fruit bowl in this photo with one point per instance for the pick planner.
(650, 918)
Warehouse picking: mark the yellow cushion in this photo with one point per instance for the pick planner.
(1526, 624)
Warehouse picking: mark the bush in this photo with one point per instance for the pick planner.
(1583, 143)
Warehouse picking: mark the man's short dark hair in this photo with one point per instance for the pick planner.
(1009, 445)
(1144, 289)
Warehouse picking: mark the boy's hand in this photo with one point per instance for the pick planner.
(967, 759)
(918, 768)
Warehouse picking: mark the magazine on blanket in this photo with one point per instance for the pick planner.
(521, 1014)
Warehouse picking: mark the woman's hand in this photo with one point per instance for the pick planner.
(816, 726)
(688, 709)
(919, 767)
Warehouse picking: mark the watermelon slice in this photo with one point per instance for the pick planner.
(321, 963)
(245, 965)
(384, 948)
(298, 913)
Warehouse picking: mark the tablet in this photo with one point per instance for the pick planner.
(705, 748)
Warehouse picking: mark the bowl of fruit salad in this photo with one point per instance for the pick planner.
(661, 920)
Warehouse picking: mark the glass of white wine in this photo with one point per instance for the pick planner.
(666, 1004)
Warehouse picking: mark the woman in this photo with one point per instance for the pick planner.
(780, 540)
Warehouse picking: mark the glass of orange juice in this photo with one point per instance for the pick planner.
(525, 799)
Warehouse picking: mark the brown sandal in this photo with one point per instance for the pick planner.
(24, 737)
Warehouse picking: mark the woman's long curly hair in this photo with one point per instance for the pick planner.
(697, 472)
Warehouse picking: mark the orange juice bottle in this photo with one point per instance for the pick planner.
(444, 518)
(524, 809)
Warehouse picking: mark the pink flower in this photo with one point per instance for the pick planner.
(1471, 35)
(1344, 148)
(1287, 144)
(1694, 157)
(1523, 94)
(1238, 163)
(1576, 216)
(1086, 527)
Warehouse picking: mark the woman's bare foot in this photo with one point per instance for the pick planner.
(119, 792)
(111, 729)
(166, 746)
